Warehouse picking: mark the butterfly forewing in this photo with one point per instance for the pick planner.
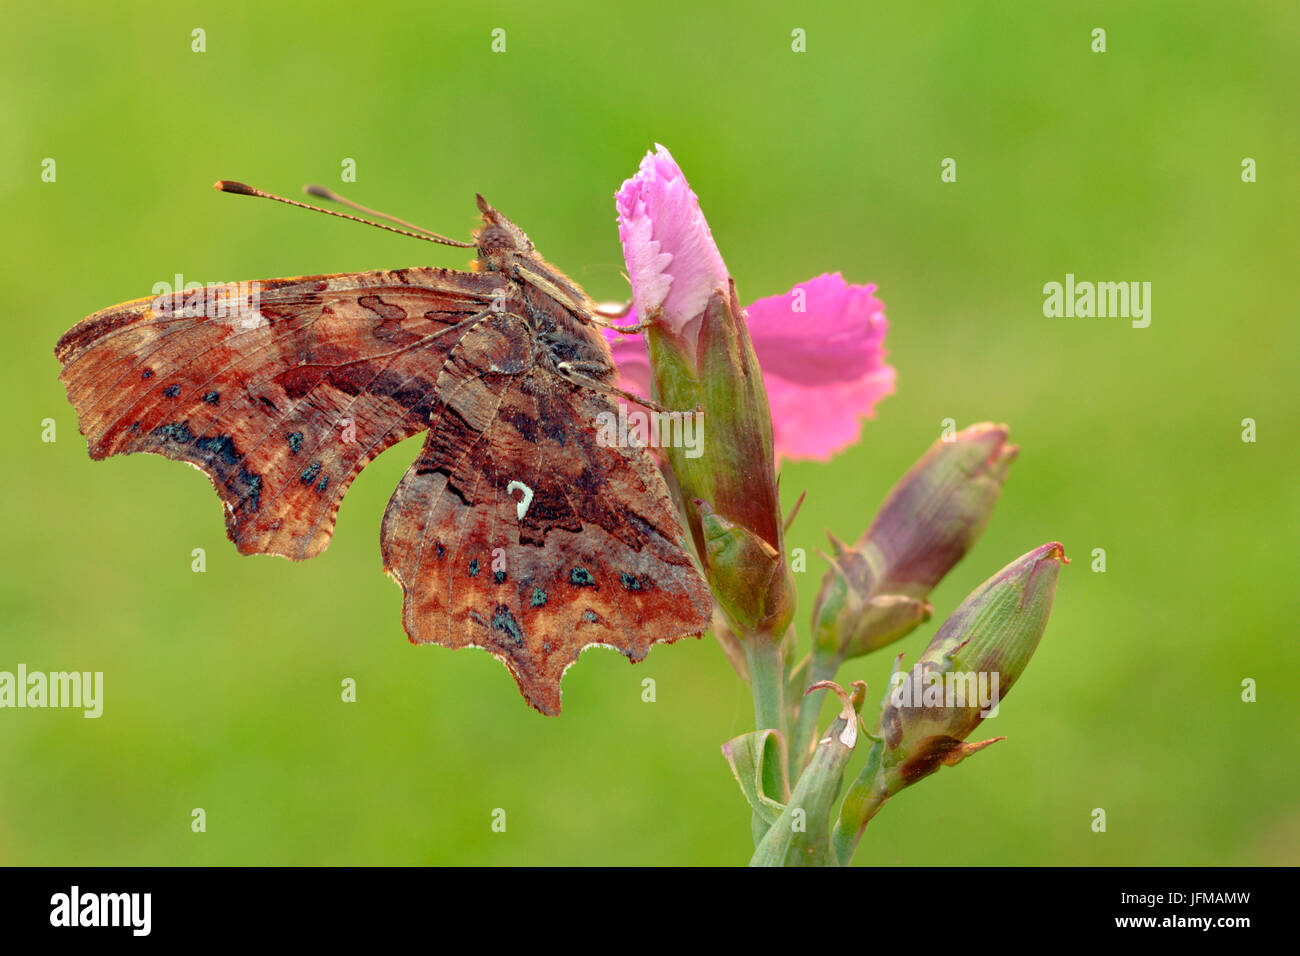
(282, 399)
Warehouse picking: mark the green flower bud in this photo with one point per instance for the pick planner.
(992, 633)
(967, 669)
(751, 581)
(738, 533)
(875, 592)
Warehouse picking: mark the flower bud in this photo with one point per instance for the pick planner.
(750, 579)
(741, 548)
(875, 592)
(969, 666)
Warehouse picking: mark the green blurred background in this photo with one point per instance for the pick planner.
(222, 689)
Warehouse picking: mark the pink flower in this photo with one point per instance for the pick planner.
(821, 345)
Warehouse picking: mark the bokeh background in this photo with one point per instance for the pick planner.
(223, 688)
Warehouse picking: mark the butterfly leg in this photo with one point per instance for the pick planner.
(623, 329)
(569, 372)
(601, 313)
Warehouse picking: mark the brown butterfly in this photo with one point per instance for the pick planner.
(515, 530)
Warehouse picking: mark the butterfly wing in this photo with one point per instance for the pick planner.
(517, 531)
(279, 391)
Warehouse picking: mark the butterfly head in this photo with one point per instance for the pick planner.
(499, 240)
(504, 247)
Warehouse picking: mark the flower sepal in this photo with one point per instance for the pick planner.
(751, 580)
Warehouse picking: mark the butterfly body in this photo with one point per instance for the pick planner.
(557, 309)
(514, 530)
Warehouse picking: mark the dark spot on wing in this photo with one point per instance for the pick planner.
(176, 431)
(356, 378)
(219, 446)
(385, 310)
(555, 431)
(252, 485)
(504, 621)
(445, 471)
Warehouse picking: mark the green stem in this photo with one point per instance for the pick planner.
(810, 708)
(863, 801)
(766, 660)
(767, 656)
(767, 680)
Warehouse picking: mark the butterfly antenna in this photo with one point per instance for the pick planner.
(322, 193)
(230, 186)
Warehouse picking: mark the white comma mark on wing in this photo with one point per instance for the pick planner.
(521, 506)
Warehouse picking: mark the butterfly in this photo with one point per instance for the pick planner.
(515, 530)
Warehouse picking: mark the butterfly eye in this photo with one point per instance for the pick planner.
(496, 238)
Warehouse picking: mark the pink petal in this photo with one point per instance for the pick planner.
(823, 330)
(818, 421)
(671, 257)
(821, 348)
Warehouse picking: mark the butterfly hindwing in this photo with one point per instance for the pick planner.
(518, 532)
